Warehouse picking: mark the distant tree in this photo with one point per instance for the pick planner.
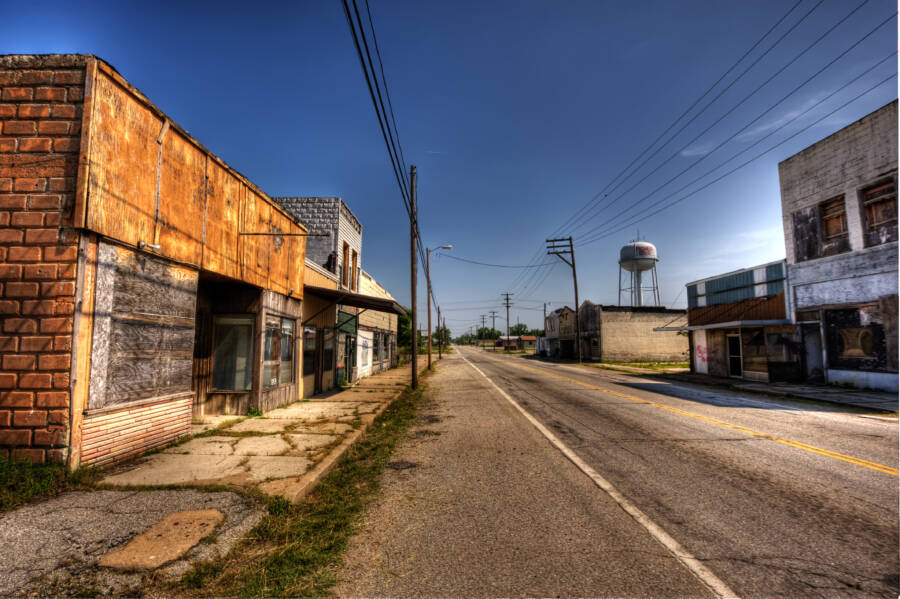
(488, 333)
(536, 332)
(518, 330)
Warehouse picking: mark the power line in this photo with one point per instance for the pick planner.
(492, 265)
(740, 166)
(398, 174)
(739, 104)
(745, 127)
(685, 113)
(520, 278)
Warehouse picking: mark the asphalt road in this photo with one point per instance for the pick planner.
(773, 498)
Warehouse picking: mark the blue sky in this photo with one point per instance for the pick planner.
(516, 114)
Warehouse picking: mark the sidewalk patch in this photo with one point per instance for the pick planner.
(167, 540)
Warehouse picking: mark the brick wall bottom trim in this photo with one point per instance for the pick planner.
(115, 435)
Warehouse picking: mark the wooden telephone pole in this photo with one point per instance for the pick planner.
(413, 325)
(563, 247)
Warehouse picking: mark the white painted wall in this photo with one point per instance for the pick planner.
(701, 365)
(364, 341)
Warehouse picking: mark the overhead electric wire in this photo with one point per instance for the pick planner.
(521, 277)
(386, 90)
(758, 156)
(736, 106)
(748, 125)
(686, 112)
(492, 265)
(399, 175)
(394, 144)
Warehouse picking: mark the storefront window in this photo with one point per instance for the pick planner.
(278, 354)
(309, 351)
(855, 339)
(232, 353)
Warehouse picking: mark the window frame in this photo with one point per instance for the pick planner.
(870, 229)
(272, 360)
(249, 319)
(825, 217)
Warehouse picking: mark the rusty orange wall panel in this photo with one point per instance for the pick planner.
(279, 253)
(122, 164)
(221, 252)
(296, 262)
(252, 271)
(182, 190)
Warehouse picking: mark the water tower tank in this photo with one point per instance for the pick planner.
(638, 256)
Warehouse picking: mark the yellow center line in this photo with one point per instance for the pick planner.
(811, 448)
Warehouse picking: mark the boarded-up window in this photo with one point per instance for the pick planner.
(880, 208)
(143, 338)
(806, 234)
(856, 339)
(345, 267)
(834, 218)
(354, 272)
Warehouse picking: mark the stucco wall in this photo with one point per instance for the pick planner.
(629, 335)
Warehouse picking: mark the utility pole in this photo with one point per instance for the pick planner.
(507, 303)
(563, 247)
(544, 324)
(483, 317)
(413, 325)
(493, 320)
(428, 295)
(440, 334)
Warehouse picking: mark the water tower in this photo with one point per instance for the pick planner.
(636, 258)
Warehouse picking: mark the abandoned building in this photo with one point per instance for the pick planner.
(739, 326)
(839, 206)
(615, 333)
(378, 329)
(559, 333)
(144, 280)
(339, 298)
(626, 334)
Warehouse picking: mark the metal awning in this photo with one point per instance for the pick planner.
(734, 324)
(356, 300)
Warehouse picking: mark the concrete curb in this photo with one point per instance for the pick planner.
(296, 488)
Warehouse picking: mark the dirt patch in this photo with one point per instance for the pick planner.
(401, 465)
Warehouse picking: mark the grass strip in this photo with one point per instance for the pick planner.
(295, 550)
(22, 481)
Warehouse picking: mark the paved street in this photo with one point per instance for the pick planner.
(772, 497)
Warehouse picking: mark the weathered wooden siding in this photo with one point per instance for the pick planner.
(149, 182)
(144, 328)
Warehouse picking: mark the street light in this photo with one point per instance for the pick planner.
(428, 279)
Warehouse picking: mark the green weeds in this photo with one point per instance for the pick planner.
(22, 481)
(295, 550)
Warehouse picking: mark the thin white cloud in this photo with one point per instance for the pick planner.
(785, 118)
(700, 149)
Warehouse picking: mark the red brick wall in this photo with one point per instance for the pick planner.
(40, 121)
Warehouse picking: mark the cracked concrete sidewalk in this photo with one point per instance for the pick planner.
(54, 547)
(285, 452)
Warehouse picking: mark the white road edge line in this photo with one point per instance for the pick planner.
(681, 554)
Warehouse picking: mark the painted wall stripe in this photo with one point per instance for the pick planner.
(695, 566)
